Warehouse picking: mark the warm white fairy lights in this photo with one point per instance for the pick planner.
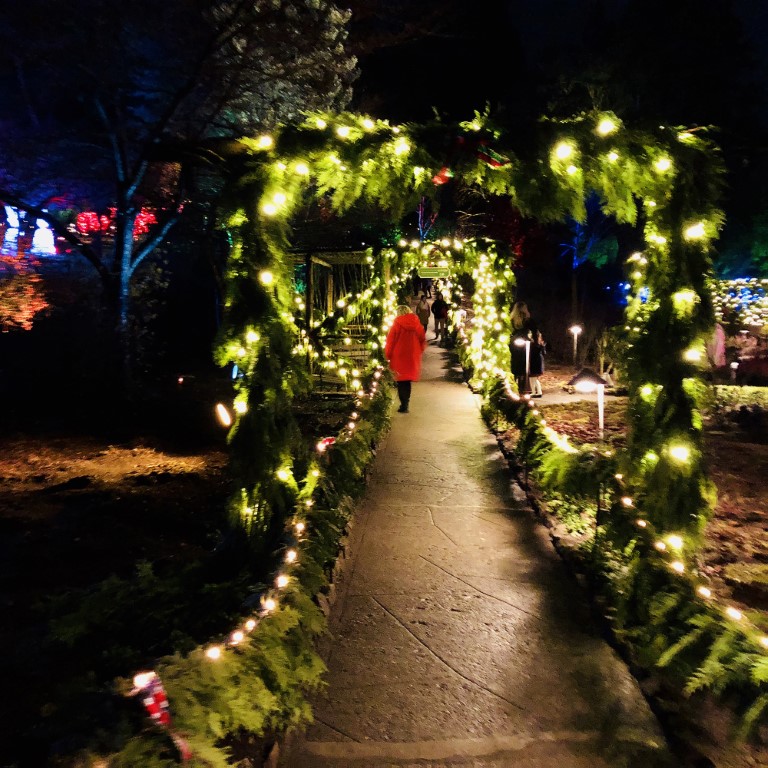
(292, 556)
(672, 545)
(283, 579)
(223, 415)
(606, 126)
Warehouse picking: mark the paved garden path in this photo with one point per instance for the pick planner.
(458, 638)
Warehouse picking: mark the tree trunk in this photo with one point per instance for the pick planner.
(123, 266)
(574, 295)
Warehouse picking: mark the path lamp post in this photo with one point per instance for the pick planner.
(586, 381)
(519, 342)
(575, 330)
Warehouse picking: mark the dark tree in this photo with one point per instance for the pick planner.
(108, 103)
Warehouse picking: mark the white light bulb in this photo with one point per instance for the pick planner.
(680, 453)
(606, 126)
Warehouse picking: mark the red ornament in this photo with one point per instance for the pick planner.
(442, 176)
(491, 156)
(324, 444)
(154, 698)
(87, 221)
(155, 701)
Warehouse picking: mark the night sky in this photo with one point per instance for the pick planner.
(696, 62)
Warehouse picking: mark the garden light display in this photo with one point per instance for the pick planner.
(671, 544)
(349, 158)
(744, 300)
(586, 381)
(575, 331)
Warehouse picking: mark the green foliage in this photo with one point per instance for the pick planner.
(349, 159)
(576, 515)
(575, 473)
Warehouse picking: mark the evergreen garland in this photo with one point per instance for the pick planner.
(667, 179)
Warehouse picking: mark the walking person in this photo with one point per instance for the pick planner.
(422, 311)
(523, 333)
(538, 350)
(406, 342)
(440, 313)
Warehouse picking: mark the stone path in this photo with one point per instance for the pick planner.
(458, 639)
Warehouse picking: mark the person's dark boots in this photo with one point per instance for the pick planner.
(403, 408)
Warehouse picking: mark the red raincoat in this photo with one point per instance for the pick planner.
(406, 342)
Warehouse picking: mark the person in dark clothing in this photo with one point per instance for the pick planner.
(524, 332)
(440, 313)
(537, 352)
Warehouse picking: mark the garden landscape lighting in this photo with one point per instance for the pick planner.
(587, 381)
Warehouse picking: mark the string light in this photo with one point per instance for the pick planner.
(223, 415)
(606, 126)
(402, 147)
(694, 232)
(680, 453)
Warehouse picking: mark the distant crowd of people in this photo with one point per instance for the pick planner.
(407, 340)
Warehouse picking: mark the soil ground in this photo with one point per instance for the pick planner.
(74, 510)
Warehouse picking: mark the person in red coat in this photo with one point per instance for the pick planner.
(406, 342)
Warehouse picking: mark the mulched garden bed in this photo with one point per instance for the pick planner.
(734, 556)
(87, 524)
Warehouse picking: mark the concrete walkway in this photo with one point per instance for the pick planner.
(458, 638)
